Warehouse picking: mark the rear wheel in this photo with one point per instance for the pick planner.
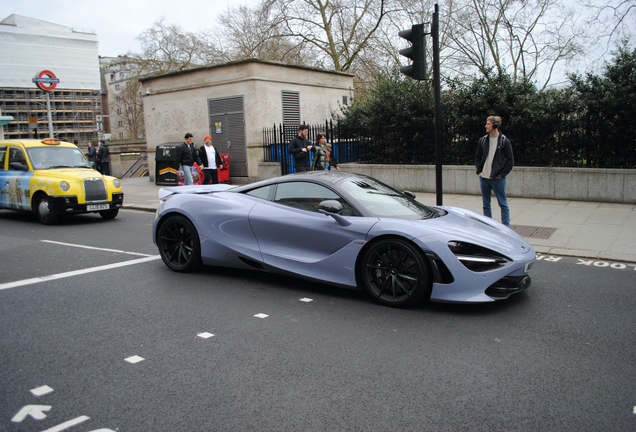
(395, 273)
(178, 243)
(46, 211)
(109, 214)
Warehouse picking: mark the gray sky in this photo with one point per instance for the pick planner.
(118, 22)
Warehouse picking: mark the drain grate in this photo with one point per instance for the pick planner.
(533, 232)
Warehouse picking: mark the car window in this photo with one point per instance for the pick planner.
(16, 155)
(3, 153)
(308, 196)
(57, 157)
(262, 192)
(381, 200)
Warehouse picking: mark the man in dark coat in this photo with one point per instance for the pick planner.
(300, 147)
(494, 161)
(187, 155)
(92, 155)
(103, 154)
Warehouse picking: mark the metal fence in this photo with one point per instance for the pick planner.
(555, 143)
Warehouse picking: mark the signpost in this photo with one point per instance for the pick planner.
(47, 81)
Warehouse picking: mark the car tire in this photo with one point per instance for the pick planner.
(109, 214)
(45, 211)
(178, 243)
(395, 273)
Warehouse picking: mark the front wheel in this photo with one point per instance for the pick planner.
(109, 214)
(178, 243)
(395, 273)
(45, 211)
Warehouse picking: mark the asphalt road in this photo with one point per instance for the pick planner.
(561, 356)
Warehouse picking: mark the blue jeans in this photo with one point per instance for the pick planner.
(499, 186)
(187, 175)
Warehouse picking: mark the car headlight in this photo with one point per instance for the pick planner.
(477, 258)
(64, 186)
(117, 183)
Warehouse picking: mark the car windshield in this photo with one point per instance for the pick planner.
(385, 202)
(43, 158)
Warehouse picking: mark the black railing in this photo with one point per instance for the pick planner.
(554, 143)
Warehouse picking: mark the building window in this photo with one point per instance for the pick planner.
(120, 123)
(291, 107)
(344, 100)
(121, 75)
(112, 76)
(119, 111)
(121, 135)
(116, 86)
(118, 99)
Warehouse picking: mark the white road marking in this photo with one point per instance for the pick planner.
(68, 424)
(261, 315)
(40, 391)
(205, 335)
(306, 300)
(76, 273)
(95, 248)
(35, 411)
(134, 359)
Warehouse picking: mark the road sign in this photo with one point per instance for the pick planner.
(46, 80)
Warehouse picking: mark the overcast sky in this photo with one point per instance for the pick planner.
(118, 22)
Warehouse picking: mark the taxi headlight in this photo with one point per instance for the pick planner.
(64, 186)
(117, 183)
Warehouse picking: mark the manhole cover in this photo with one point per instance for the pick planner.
(532, 231)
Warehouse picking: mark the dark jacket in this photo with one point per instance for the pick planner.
(203, 155)
(319, 159)
(296, 146)
(103, 153)
(187, 154)
(503, 161)
(92, 154)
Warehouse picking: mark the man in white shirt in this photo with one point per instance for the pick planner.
(211, 161)
(494, 161)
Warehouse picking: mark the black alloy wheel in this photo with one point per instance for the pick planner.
(179, 245)
(395, 273)
(46, 211)
(109, 214)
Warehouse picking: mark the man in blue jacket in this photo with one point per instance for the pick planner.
(494, 160)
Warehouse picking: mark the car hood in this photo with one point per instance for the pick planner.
(465, 225)
(69, 174)
(194, 189)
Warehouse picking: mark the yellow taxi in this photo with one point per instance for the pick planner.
(53, 178)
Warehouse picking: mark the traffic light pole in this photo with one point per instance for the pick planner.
(438, 107)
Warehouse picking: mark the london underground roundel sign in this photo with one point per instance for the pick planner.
(46, 80)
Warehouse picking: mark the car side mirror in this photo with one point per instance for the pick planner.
(18, 166)
(409, 194)
(330, 206)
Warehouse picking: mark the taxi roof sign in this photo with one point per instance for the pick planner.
(51, 141)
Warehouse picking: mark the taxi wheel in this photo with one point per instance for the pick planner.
(46, 212)
(109, 214)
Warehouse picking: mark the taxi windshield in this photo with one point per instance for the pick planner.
(43, 158)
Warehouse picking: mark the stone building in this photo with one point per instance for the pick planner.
(233, 102)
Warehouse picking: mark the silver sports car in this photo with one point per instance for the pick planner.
(343, 229)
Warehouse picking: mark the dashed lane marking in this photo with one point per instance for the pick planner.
(95, 248)
(76, 272)
(41, 391)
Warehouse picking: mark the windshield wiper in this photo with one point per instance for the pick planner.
(385, 193)
(60, 166)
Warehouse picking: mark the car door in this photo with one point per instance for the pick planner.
(15, 183)
(295, 237)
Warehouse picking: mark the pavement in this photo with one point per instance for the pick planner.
(583, 229)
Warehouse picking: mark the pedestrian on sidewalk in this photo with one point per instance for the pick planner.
(300, 147)
(211, 159)
(187, 155)
(92, 155)
(494, 161)
(103, 154)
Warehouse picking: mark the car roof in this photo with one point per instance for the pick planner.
(36, 143)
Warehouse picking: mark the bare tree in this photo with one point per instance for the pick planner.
(129, 108)
(339, 30)
(525, 38)
(613, 20)
(167, 48)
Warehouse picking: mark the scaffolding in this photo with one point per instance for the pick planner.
(74, 113)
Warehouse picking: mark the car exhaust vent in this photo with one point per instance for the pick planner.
(95, 190)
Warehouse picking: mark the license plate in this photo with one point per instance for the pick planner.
(92, 207)
(528, 266)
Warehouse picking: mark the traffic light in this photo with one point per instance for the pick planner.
(417, 69)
